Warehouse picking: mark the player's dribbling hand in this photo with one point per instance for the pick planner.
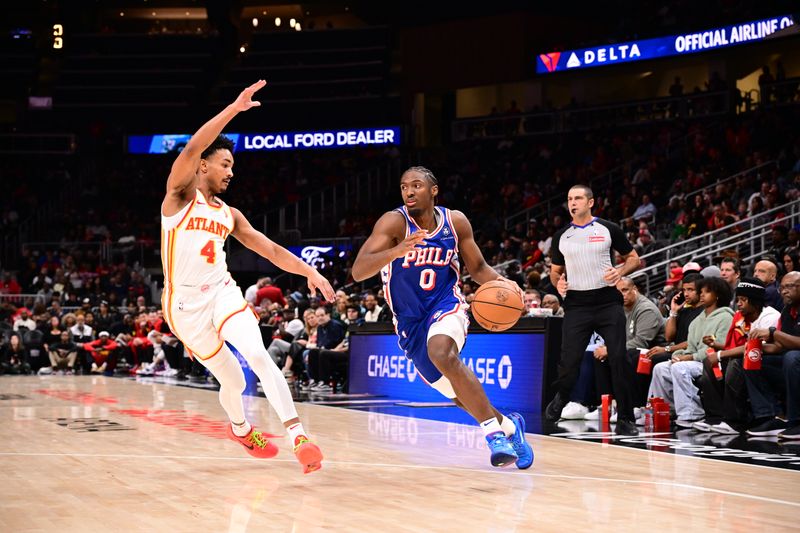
(317, 281)
(409, 243)
(513, 286)
(245, 99)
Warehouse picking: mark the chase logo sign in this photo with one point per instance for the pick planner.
(662, 46)
(508, 365)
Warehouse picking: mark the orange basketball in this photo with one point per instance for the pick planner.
(496, 307)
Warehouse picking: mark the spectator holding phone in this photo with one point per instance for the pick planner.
(685, 306)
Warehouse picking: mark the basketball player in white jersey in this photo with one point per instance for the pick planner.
(202, 304)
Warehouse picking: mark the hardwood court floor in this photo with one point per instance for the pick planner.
(104, 454)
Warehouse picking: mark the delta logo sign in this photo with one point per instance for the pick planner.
(673, 45)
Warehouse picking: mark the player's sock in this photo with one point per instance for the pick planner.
(240, 429)
(491, 426)
(296, 430)
(508, 426)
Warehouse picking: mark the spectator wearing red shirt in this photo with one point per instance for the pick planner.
(102, 353)
(270, 292)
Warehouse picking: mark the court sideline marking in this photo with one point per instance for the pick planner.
(412, 466)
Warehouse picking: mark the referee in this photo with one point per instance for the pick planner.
(584, 251)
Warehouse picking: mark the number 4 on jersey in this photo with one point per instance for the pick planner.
(208, 252)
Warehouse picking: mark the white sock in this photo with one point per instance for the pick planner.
(241, 429)
(491, 426)
(508, 426)
(295, 430)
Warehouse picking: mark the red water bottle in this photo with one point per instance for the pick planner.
(605, 407)
(752, 354)
(717, 367)
(645, 365)
(648, 416)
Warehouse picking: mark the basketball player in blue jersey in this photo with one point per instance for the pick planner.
(416, 249)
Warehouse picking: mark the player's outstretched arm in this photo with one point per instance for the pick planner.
(185, 166)
(278, 255)
(382, 246)
(469, 252)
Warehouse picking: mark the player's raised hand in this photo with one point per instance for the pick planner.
(409, 243)
(317, 281)
(245, 99)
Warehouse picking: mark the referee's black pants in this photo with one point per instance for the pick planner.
(607, 319)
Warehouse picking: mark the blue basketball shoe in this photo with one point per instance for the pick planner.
(521, 447)
(503, 453)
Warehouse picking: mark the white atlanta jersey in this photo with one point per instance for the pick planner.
(193, 244)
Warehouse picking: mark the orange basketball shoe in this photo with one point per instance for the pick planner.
(308, 454)
(255, 443)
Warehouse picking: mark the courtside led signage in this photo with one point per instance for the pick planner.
(673, 45)
(302, 140)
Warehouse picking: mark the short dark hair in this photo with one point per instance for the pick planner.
(692, 277)
(425, 172)
(733, 261)
(719, 287)
(586, 189)
(220, 143)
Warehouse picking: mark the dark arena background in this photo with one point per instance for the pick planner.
(682, 117)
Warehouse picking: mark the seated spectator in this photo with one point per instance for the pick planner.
(780, 369)
(725, 397)
(288, 330)
(375, 312)
(24, 321)
(101, 354)
(550, 301)
(269, 292)
(52, 332)
(646, 211)
(330, 334)
(307, 338)
(767, 271)
(353, 317)
(730, 272)
(645, 243)
(644, 328)
(159, 366)
(80, 331)
(685, 306)
(63, 355)
(14, 356)
(674, 380)
(531, 299)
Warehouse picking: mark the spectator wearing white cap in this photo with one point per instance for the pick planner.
(691, 266)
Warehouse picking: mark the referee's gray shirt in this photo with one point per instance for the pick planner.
(586, 252)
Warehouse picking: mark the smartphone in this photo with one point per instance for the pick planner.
(680, 299)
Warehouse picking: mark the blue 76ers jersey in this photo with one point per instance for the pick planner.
(425, 281)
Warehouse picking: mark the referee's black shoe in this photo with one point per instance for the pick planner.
(626, 427)
(554, 408)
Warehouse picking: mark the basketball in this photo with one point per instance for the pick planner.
(496, 307)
